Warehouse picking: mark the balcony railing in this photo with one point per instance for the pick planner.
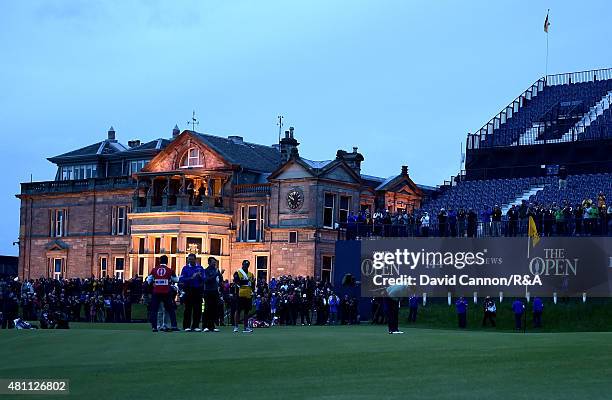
(79, 185)
(252, 188)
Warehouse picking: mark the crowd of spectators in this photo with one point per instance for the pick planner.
(285, 300)
(88, 300)
(303, 300)
(587, 218)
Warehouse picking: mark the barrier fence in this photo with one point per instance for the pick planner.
(564, 228)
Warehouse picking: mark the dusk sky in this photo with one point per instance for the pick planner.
(402, 80)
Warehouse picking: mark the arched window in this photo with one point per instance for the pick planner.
(192, 158)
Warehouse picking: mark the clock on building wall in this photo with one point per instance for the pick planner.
(295, 199)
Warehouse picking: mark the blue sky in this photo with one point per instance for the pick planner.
(402, 80)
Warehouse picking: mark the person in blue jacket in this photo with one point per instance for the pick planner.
(518, 308)
(413, 304)
(538, 308)
(461, 306)
(192, 282)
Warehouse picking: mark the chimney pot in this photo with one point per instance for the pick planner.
(354, 149)
(291, 132)
(111, 134)
(287, 134)
(404, 170)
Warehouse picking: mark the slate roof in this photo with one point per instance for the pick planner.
(157, 144)
(255, 157)
(316, 164)
(100, 148)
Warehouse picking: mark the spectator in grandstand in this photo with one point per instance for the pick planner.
(485, 218)
(452, 222)
(212, 279)
(192, 282)
(538, 308)
(513, 220)
(578, 214)
(562, 174)
(425, 224)
(461, 218)
(496, 217)
(442, 222)
(461, 306)
(490, 312)
(472, 223)
(523, 213)
(518, 308)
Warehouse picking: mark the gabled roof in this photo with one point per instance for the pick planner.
(316, 168)
(316, 164)
(252, 156)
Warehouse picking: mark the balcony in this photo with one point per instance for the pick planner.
(185, 203)
(80, 185)
(257, 189)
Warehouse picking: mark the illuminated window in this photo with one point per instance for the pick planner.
(191, 158)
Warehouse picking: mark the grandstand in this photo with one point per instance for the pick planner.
(560, 122)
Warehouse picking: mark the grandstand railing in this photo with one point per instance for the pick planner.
(474, 140)
(579, 77)
(566, 228)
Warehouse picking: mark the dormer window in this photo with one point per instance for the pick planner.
(192, 158)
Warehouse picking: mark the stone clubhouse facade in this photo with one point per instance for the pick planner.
(114, 209)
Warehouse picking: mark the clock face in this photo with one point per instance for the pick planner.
(295, 199)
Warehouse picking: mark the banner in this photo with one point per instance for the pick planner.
(567, 266)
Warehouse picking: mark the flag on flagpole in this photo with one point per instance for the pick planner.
(546, 22)
(533, 232)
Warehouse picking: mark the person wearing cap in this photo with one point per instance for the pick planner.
(245, 281)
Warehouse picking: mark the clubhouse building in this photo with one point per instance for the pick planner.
(114, 209)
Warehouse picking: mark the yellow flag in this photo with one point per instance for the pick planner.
(533, 232)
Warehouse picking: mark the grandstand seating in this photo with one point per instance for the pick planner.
(556, 108)
(484, 194)
(567, 120)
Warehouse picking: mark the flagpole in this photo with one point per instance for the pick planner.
(546, 24)
(546, 71)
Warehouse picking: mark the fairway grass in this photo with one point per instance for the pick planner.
(127, 361)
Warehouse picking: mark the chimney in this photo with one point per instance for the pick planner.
(133, 143)
(405, 170)
(236, 139)
(353, 159)
(175, 131)
(288, 146)
(111, 134)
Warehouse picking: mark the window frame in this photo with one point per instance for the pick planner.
(103, 265)
(344, 212)
(119, 273)
(325, 270)
(296, 237)
(332, 208)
